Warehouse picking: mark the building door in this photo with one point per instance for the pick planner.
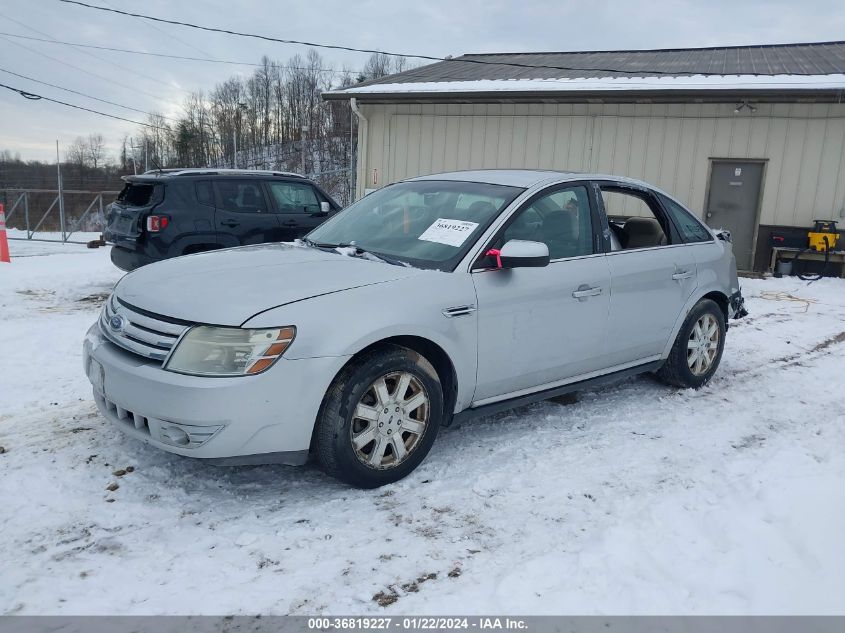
(732, 203)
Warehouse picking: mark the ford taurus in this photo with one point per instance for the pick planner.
(435, 299)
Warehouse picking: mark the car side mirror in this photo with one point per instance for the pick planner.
(521, 254)
(325, 209)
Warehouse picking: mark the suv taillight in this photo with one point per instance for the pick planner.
(156, 223)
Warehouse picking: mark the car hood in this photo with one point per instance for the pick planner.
(227, 287)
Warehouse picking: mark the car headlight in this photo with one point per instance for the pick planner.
(229, 351)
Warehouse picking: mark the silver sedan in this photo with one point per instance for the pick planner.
(431, 300)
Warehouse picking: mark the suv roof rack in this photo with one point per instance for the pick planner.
(211, 171)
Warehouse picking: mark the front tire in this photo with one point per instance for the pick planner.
(379, 418)
(697, 350)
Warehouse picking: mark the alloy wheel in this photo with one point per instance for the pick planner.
(703, 345)
(389, 420)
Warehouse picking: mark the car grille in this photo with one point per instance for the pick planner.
(140, 422)
(176, 434)
(144, 334)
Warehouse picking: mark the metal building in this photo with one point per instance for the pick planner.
(751, 137)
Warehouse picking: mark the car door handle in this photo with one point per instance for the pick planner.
(685, 274)
(290, 223)
(229, 223)
(585, 291)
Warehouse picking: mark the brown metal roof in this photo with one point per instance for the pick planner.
(815, 58)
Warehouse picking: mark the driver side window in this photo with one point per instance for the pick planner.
(560, 219)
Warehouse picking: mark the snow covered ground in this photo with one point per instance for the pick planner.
(638, 499)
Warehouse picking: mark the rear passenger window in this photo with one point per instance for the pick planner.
(241, 196)
(293, 197)
(689, 226)
(205, 194)
(136, 194)
(635, 219)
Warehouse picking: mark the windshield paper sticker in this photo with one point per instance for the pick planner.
(451, 232)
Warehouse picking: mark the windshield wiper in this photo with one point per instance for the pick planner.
(358, 251)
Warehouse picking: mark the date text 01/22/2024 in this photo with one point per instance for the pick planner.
(416, 623)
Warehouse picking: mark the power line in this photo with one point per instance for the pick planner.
(208, 55)
(36, 97)
(183, 57)
(88, 72)
(97, 57)
(82, 94)
(364, 50)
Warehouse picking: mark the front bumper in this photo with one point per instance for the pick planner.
(736, 306)
(267, 418)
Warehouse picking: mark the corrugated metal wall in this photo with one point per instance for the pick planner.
(669, 145)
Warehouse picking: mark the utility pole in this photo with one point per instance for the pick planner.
(134, 155)
(146, 155)
(241, 109)
(61, 195)
(302, 133)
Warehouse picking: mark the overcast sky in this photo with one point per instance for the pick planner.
(432, 27)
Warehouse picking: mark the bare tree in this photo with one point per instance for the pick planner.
(77, 152)
(95, 148)
(266, 112)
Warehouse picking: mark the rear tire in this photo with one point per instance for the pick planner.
(697, 350)
(379, 417)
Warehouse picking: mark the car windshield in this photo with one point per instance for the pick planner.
(425, 223)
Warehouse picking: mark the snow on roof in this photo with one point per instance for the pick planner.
(598, 84)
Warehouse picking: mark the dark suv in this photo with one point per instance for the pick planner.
(168, 213)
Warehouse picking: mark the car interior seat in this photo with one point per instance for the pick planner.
(561, 234)
(249, 199)
(615, 243)
(523, 228)
(480, 209)
(642, 233)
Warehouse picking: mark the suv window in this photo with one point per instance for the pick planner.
(560, 219)
(635, 219)
(294, 197)
(136, 194)
(241, 196)
(205, 194)
(689, 226)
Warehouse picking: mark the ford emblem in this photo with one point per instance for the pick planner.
(116, 323)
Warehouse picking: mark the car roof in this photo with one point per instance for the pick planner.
(525, 178)
(180, 172)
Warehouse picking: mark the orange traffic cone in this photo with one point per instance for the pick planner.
(4, 241)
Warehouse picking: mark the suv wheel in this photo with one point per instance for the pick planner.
(379, 418)
(697, 351)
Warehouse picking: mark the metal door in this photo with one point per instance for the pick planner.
(243, 215)
(732, 203)
(540, 325)
(648, 290)
(298, 207)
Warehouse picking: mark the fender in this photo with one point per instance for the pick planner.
(716, 274)
(178, 246)
(224, 240)
(696, 296)
(343, 323)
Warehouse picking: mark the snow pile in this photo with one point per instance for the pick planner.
(637, 499)
(668, 82)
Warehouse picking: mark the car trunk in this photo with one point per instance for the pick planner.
(126, 216)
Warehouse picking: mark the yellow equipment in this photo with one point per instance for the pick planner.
(823, 236)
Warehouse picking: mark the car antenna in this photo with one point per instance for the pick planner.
(156, 165)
